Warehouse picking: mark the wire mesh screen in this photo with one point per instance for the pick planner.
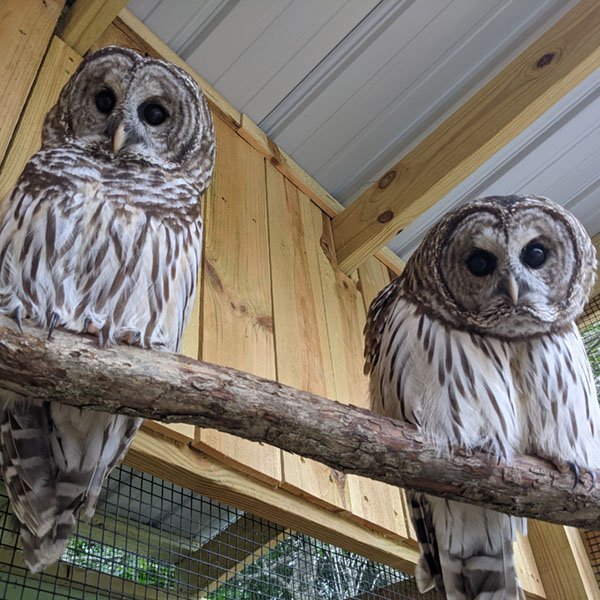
(151, 539)
(589, 324)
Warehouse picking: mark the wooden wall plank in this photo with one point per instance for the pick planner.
(372, 503)
(548, 69)
(259, 140)
(26, 28)
(237, 314)
(563, 564)
(87, 20)
(527, 569)
(302, 346)
(58, 65)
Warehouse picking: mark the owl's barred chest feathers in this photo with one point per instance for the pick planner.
(475, 391)
(96, 243)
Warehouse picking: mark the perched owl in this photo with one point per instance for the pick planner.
(102, 233)
(476, 345)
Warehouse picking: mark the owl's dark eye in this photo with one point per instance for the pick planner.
(153, 113)
(105, 101)
(481, 262)
(534, 255)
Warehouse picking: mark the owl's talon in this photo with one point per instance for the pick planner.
(576, 473)
(86, 325)
(53, 323)
(19, 318)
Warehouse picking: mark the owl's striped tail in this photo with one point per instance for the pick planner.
(466, 551)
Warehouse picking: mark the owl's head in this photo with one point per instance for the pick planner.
(505, 265)
(129, 107)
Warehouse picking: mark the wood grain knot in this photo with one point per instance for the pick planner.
(545, 60)
(385, 216)
(386, 180)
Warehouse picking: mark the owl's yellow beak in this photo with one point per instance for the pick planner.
(119, 138)
(513, 288)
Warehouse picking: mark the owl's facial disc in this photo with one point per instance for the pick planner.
(505, 269)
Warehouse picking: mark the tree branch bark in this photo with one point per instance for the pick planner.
(73, 370)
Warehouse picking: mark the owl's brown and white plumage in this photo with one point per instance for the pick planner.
(102, 233)
(476, 344)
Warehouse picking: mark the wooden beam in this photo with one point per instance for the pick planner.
(205, 475)
(87, 20)
(26, 28)
(157, 385)
(552, 66)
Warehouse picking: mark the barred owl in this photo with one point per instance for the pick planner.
(101, 234)
(476, 345)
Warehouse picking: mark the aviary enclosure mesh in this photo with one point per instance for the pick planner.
(589, 325)
(151, 539)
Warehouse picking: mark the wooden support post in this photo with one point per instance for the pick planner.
(26, 27)
(87, 20)
(562, 562)
(552, 66)
(59, 64)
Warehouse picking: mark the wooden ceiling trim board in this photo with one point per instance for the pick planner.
(553, 65)
(570, 118)
(87, 20)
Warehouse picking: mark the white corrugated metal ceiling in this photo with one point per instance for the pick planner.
(347, 87)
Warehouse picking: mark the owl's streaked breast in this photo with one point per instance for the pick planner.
(101, 250)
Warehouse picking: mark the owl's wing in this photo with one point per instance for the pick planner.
(558, 391)
(377, 318)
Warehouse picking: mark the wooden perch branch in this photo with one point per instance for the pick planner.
(74, 370)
